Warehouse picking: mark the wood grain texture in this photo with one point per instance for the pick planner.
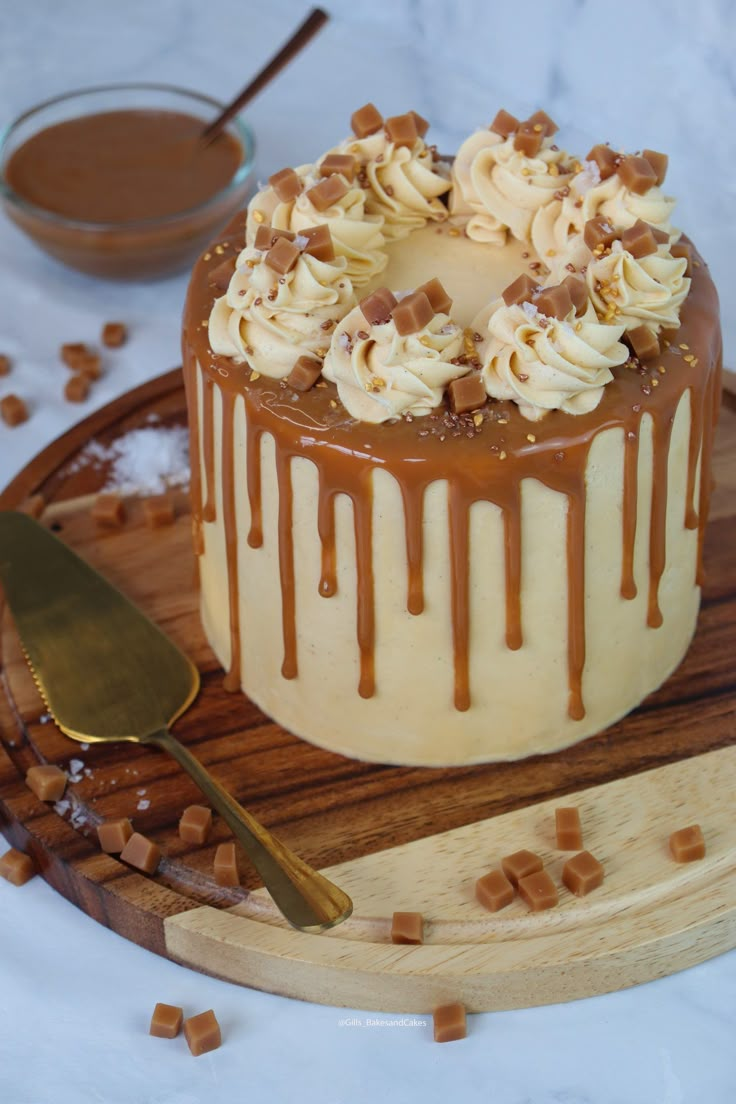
(339, 813)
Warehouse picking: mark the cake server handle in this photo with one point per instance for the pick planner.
(306, 898)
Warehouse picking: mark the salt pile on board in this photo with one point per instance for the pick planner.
(143, 461)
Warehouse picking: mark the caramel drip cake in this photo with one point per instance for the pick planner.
(451, 437)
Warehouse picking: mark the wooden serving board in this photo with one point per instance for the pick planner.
(394, 838)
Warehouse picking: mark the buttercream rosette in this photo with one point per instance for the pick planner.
(270, 320)
(381, 374)
(640, 291)
(545, 364)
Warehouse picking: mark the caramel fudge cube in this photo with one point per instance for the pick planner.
(71, 351)
(407, 927)
(644, 343)
(402, 129)
(554, 302)
(438, 297)
(528, 139)
(504, 124)
(266, 236)
(538, 891)
(88, 364)
(467, 393)
(195, 824)
(109, 511)
(522, 290)
(582, 873)
(449, 1023)
(637, 174)
(578, 292)
(13, 410)
(4, 364)
(114, 334)
(568, 829)
(282, 256)
(226, 865)
(319, 242)
(420, 122)
(47, 781)
(494, 891)
(114, 834)
(683, 249)
(366, 120)
(286, 185)
(158, 511)
(220, 276)
(304, 374)
(658, 162)
(376, 308)
(540, 119)
(343, 163)
(77, 388)
(639, 239)
(412, 314)
(598, 233)
(166, 1021)
(687, 844)
(328, 192)
(605, 158)
(520, 865)
(16, 867)
(203, 1033)
(141, 853)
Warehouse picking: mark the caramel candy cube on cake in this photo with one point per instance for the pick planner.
(644, 343)
(522, 290)
(109, 511)
(343, 163)
(582, 873)
(328, 192)
(639, 239)
(282, 256)
(554, 302)
(16, 867)
(528, 139)
(520, 865)
(114, 334)
(158, 510)
(402, 129)
(542, 119)
(195, 824)
(637, 174)
(598, 233)
(166, 1021)
(226, 865)
(220, 276)
(319, 242)
(286, 185)
(420, 122)
(114, 834)
(538, 891)
(376, 308)
(683, 249)
(412, 313)
(568, 830)
(366, 120)
(658, 162)
(467, 393)
(304, 374)
(266, 236)
(449, 1023)
(687, 844)
(407, 927)
(504, 124)
(605, 158)
(438, 297)
(13, 410)
(578, 292)
(494, 891)
(141, 853)
(47, 781)
(203, 1033)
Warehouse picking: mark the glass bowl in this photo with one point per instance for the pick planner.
(126, 250)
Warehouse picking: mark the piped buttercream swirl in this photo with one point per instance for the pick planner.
(638, 291)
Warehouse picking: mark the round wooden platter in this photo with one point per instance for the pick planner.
(394, 838)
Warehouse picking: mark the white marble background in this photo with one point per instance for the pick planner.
(74, 998)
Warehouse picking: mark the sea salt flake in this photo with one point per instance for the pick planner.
(76, 765)
(45, 718)
(301, 241)
(145, 461)
(143, 804)
(62, 807)
(589, 178)
(531, 312)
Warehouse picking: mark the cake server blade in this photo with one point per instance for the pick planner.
(107, 673)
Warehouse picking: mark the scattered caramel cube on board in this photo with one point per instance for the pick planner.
(47, 781)
(687, 844)
(449, 1023)
(203, 1033)
(17, 867)
(407, 927)
(166, 1021)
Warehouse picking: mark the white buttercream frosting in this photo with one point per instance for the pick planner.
(381, 374)
(543, 364)
(270, 320)
(633, 292)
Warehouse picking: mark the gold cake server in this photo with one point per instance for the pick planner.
(107, 673)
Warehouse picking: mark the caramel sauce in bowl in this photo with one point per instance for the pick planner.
(115, 182)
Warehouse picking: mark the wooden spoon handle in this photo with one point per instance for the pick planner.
(307, 899)
(301, 36)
